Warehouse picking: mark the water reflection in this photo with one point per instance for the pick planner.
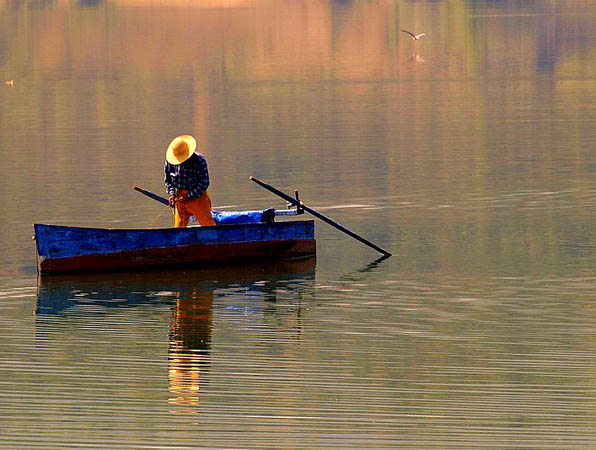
(191, 295)
(190, 345)
(65, 295)
(89, 3)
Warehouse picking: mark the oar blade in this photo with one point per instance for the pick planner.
(317, 214)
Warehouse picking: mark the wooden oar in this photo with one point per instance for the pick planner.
(152, 195)
(333, 223)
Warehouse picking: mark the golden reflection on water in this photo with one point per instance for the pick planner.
(189, 347)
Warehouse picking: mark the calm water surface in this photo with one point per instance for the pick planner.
(469, 154)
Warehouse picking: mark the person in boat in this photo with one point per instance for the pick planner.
(187, 180)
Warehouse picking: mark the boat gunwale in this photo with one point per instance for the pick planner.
(173, 229)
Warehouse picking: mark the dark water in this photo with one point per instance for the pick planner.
(469, 154)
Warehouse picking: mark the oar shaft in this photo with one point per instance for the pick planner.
(317, 214)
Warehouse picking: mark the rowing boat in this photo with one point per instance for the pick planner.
(237, 237)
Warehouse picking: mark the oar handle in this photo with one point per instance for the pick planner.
(333, 223)
(152, 195)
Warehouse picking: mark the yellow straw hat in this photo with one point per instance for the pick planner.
(180, 149)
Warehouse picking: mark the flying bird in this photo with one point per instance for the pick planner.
(415, 37)
(9, 83)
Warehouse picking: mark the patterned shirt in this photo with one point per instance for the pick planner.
(191, 175)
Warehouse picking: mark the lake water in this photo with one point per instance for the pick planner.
(470, 154)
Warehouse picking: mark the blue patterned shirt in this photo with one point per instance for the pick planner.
(191, 175)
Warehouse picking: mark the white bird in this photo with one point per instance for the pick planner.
(415, 37)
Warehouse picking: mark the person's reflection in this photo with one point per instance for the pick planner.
(189, 347)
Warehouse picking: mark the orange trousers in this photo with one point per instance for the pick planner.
(199, 207)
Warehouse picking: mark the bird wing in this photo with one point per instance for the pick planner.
(406, 31)
(420, 35)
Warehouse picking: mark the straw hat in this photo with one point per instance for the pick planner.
(180, 149)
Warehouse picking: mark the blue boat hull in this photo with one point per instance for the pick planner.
(76, 249)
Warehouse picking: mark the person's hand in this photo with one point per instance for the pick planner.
(182, 197)
(172, 200)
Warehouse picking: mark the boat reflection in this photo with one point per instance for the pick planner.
(239, 293)
(88, 293)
